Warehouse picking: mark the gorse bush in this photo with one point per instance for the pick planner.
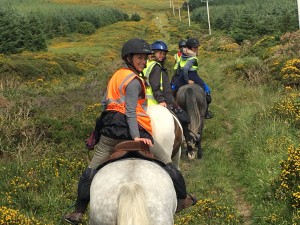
(288, 108)
(207, 211)
(291, 72)
(30, 67)
(251, 69)
(29, 185)
(287, 185)
(10, 216)
(261, 47)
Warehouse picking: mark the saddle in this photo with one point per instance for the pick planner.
(131, 149)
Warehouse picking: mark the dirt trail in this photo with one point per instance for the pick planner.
(161, 21)
(212, 69)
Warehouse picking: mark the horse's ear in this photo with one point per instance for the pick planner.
(132, 146)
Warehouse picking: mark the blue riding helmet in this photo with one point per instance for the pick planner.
(159, 45)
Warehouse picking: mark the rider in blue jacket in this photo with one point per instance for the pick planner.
(186, 71)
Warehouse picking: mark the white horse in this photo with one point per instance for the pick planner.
(167, 134)
(136, 191)
(132, 192)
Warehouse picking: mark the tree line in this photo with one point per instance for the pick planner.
(245, 20)
(30, 31)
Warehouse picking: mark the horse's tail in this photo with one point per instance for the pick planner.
(132, 207)
(192, 109)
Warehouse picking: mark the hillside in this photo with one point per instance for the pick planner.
(49, 102)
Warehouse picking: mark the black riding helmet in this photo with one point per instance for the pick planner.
(192, 43)
(135, 46)
(182, 43)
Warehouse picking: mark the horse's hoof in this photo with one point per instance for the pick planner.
(191, 155)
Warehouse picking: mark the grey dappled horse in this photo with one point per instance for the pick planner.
(192, 99)
(135, 191)
(132, 192)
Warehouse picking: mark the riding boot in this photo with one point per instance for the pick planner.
(83, 196)
(184, 120)
(178, 180)
(181, 115)
(208, 114)
(174, 93)
(184, 199)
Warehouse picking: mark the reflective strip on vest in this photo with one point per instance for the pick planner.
(177, 61)
(149, 93)
(121, 99)
(183, 62)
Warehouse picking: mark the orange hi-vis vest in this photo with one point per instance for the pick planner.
(116, 92)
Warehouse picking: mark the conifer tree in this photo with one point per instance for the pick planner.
(34, 38)
(10, 32)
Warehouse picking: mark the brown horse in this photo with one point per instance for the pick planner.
(192, 99)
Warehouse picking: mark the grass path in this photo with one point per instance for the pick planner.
(217, 148)
(212, 73)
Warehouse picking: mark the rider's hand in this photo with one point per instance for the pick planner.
(191, 82)
(145, 140)
(163, 104)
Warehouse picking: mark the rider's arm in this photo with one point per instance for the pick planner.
(132, 94)
(103, 100)
(154, 80)
(167, 88)
(186, 69)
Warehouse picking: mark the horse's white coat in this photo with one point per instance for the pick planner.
(156, 185)
(162, 122)
(147, 178)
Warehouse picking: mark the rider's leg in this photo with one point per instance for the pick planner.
(193, 75)
(184, 120)
(103, 150)
(184, 199)
(198, 80)
(208, 114)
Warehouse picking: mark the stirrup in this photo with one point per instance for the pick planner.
(74, 218)
(185, 203)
